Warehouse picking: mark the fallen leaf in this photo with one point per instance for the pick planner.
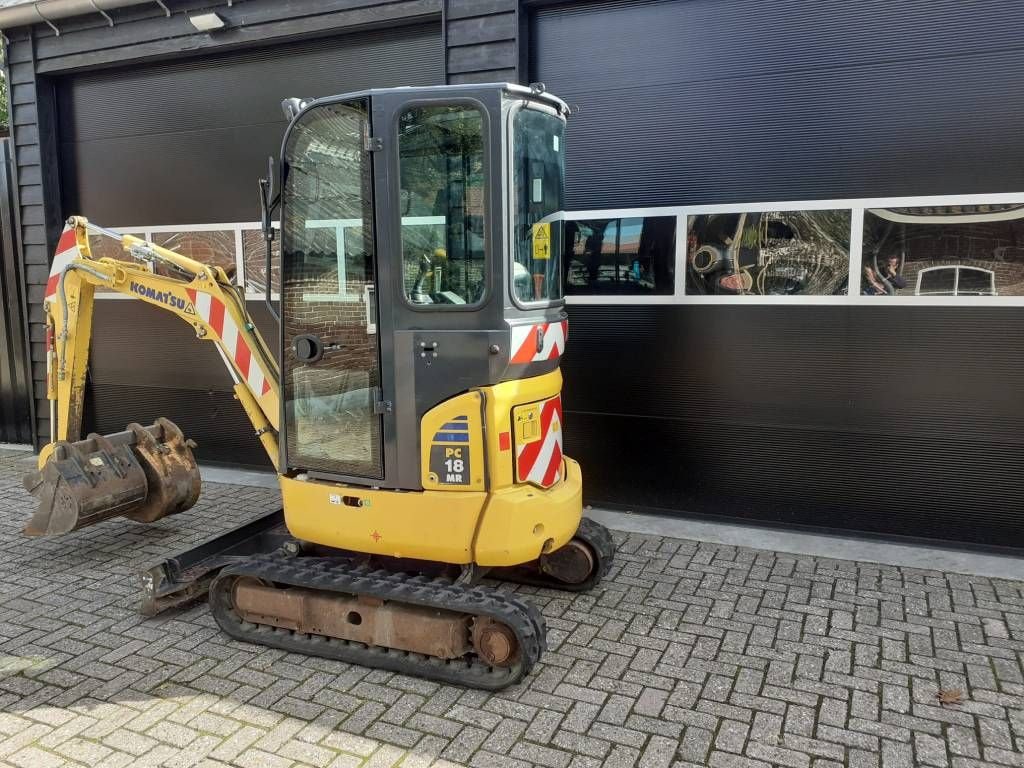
(950, 696)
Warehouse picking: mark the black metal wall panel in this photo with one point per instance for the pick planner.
(146, 363)
(183, 142)
(15, 373)
(140, 37)
(893, 420)
(879, 419)
(704, 101)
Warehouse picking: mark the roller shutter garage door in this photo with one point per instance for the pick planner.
(182, 143)
(886, 420)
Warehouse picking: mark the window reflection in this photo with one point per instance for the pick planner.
(103, 247)
(768, 253)
(624, 256)
(965, 250)
(441, 161)
(254, 257)
(538, 166)
(327, 277)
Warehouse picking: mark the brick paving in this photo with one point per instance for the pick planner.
(689, 654)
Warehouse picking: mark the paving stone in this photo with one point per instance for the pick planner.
(33, 757)
(622, 757)
(659, 753)
(930, 750)
(731, 736)
(897, 755)
(689, 654)
(257, 758)
(538, 755)
(729, 760)
(778, 755)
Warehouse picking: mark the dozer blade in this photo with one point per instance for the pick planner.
(143, 473)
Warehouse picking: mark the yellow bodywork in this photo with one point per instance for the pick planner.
(471, 509)
(495, 524)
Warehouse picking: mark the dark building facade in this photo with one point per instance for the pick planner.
(741, 176)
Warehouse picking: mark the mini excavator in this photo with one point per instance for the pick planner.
(412, 409)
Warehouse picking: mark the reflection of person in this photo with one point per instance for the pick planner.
(872, 286)
(891, 273)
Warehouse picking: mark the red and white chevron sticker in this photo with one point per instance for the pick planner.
(67, 249)
(212, 310)
(540, 462)
(525, 337)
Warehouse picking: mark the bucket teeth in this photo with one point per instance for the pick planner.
(144, 473)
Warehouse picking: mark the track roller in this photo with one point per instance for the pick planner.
(577, 566)
(412, 624)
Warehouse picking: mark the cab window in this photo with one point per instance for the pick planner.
(538, 151)
(441, 203)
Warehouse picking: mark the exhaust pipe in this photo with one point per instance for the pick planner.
(143, 473)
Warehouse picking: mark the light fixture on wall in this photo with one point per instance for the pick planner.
(206, 22)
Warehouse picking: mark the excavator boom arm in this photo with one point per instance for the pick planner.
(144, 473)
(200, 294)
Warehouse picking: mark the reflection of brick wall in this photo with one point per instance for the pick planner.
(216, 248)
(1009, 276)
(254, 256)
(995, 246)
(333, 431)
(337, 322)
(103, 247)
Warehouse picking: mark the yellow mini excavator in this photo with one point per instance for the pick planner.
(412, 410)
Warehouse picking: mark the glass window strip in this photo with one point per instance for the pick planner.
(857, 206)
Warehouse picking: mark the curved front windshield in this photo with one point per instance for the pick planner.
(538, 171)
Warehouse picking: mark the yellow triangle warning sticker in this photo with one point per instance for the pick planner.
(189, 309)
(542, 240)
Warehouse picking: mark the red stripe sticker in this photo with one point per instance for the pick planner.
(531, 451)
(528, 348)
(217, 317)
(67, 241)
(554, 465)
(242, 358)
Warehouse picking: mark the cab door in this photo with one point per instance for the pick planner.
(330, 361)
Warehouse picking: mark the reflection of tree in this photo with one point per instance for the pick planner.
(827, 227)
(592, 235)
(775, 252)
(441, 169)
(813, 260)
(440, 147)
(627, 256)
(328, 178)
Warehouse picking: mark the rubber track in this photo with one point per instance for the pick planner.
(336, 575)
(591, 533)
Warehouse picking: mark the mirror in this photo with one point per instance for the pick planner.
(268, 202)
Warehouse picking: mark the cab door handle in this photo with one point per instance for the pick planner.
(309, 348)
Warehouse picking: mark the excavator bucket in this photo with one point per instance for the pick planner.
(143, 473)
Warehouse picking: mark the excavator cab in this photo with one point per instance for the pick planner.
(420, 301)
(413, 409)
(402, 285)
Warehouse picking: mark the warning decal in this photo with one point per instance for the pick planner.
(449, 453)
(542, 240)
